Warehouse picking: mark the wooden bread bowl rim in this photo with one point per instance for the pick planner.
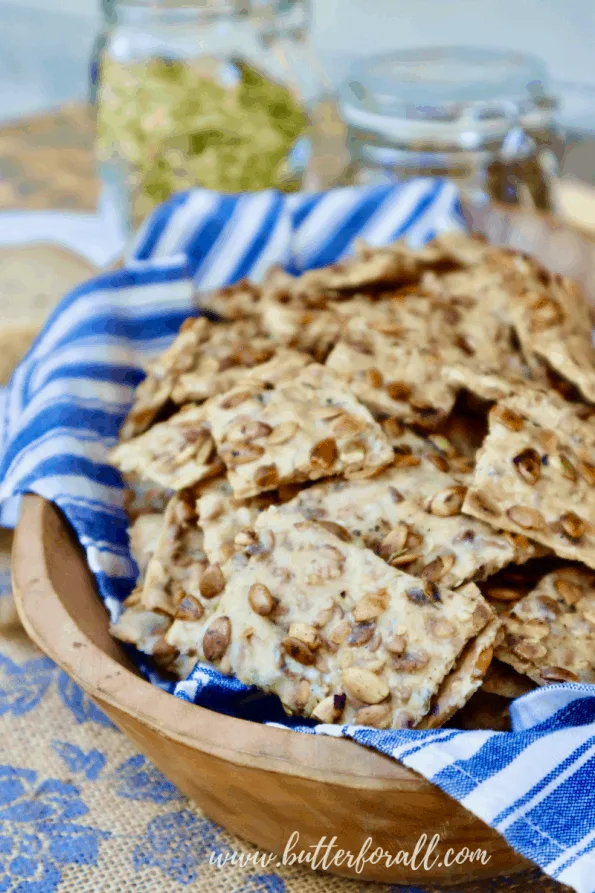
(54, 630)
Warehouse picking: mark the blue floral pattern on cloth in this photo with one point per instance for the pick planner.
(137, 779)
(23, 686)
(178, 843)
(40, 831)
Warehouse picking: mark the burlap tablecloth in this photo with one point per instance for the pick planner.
(81, 811)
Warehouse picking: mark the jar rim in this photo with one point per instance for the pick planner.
(447, 94)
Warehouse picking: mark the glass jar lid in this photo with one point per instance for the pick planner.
(447, 96)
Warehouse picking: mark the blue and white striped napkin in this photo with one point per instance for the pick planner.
(67, 399)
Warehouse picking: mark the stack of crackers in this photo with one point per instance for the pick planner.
(370, 489)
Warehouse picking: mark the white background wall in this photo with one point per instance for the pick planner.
(44, 44)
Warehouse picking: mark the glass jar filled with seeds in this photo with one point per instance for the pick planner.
(211, 93)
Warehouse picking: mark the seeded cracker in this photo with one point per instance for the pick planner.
(227, 523)
(305, 428)
(144, 629)
(554, 322)
(137, 625)
(196, 387)
(537, 481)
(550, 634)
(466, 678)
(213, 355)
(411, 516)
(394, 264)
(362, 643)
(237, 301)
(178, 563)
(397, 379)
(312, 330)
(175, 454)
(144, 536)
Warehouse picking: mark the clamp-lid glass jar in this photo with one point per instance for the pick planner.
(213, 93)
(482, 117)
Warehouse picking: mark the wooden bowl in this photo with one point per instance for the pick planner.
(265, 783)
(260, 783)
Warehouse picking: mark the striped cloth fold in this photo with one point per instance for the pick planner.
(65, 403)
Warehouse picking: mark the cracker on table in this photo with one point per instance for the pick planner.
(307, 427)
(212, 353)
(334, 631)
(399, 380)
(550, 633)
(502, 680)
(466, 678)
(174, 454)
(538, 481)
(237, 301)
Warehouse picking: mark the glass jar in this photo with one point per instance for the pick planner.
(212, 93)
(481, 117)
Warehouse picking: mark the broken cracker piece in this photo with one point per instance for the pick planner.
(178, 562)
(204, 359)
(144, 535)
(227, 523)
(553, 321)
(238, 301)
(410, 514)
(394, 264)
(550, 633)
(174, 454)
(334, 631)
(305, 428)
(466, 678)
(537, 481)
(399, 380)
